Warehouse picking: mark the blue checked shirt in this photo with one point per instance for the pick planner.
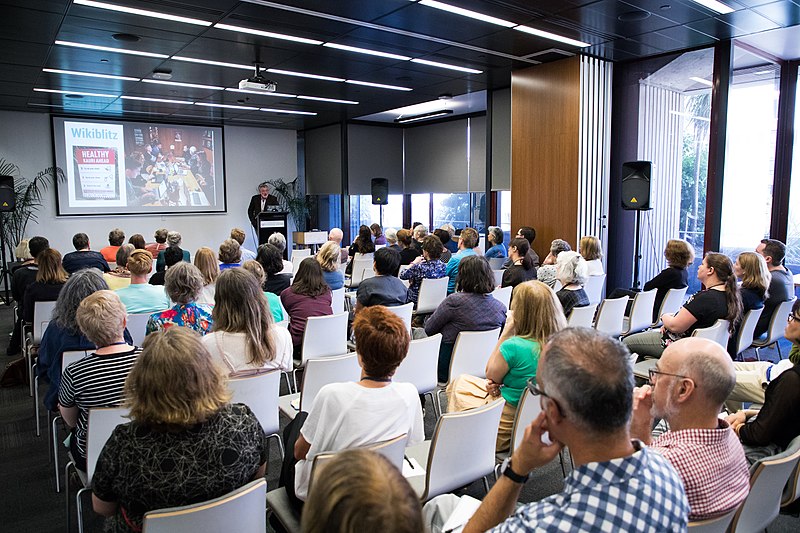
(637, 493)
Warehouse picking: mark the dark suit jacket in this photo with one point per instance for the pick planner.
(255, 207)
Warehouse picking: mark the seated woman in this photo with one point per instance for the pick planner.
(547, 272)
(408, 252)
(445, 238)
(230, 256)
(426, 266)
(328, 257)
(137, 240)
(356, 480)
(244, 337)
(183, 284)
(274, 301)
(120, 277)
(279, 241)
(377, 234)
(308, 296)
(720, 299)
(174, 238)
(470, 308)
(591, 250)
(97, 380)
(496, 240)
(50, 279)
(184, 444)
(362, 245)
(751, 269)
(272, 262)
(347, 415)
(383, 288)
(206, 262)
(521, 268)
(571, 271)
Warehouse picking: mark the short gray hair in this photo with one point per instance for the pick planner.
(571, 267)
(420, 231)
(174, 238)
(496, 233)
(78, 286)
(278, 241)
(123, 253)
(391, 235)
(558, 246)
(183, 283)
(714, 380)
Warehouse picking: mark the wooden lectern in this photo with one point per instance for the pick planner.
(270, 222)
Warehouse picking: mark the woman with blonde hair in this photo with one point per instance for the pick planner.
(50, 278)
(751, 268)
(185, 442)
(206, 262)
(592, 251)
(328, 258)
(120, 277)
(244, 337)
(274, 301)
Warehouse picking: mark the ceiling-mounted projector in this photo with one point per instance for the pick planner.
(258, 83)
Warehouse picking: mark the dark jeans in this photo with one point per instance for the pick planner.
(290, 435)
(445, 354)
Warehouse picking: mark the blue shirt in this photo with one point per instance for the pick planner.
(335, 279)
(143, 298)
(452, 267)
(416, 273)
(498, 250)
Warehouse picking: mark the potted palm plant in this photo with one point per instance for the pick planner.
(292, 200)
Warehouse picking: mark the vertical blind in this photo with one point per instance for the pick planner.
(324, 160)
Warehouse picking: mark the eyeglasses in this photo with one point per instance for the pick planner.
(536, 391)
(651, 373)
(793, 317)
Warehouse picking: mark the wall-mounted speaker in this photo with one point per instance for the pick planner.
(380, 191)
(636, 185)
(7, 199)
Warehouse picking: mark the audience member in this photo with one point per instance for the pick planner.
(585, 385)
(426, 266)
(420, 232)
(244, 337)
(328, 258)
(383, 288)
(279, 241)
(160, 243)
(172, 256)
(687, 389)
(97, 380)
(466, 247)
(377, 234)
(238, 235)
(140, 297)
(391, 238)
(547, 272)
(361, 245)
(229, 254)
(497, 249)
(781, 285)
(274, 301)
(571, 271)
(22, 255)
(591, 249)
(521, 268)
(408, 252)
(83, 257)
(444, 237)
(471, 308)
(185, 443)
(50, 279)
(529, 234)
(21, 279)
(183, 284)
(206, 262)
(137, 240)
(115, 239)
(173, 239)
(120, 277)
(270, 259)
(336, 235)
(452, 243)
(751, 269)
(308, 296)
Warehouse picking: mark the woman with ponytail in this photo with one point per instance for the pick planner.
(720, 299)
(521, 269)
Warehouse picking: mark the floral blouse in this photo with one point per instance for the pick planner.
(416, 273)
(191, 315)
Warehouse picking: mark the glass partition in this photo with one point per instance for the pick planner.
(793, 230)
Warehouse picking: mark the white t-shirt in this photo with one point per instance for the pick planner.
(595, 267)
(229, 350)
(347, 415)
(207, 296)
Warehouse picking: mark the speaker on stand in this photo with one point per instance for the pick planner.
(8, 203)
(636, 197)
(380, 194)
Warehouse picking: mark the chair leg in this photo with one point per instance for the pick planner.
(54, 430)
(294, 379)
(36, 404)
(486, 484)
(778, 346)
(79, 507)
(280, 442)
(288, 383)
(758, 355)
(66, 490)
(439, 400)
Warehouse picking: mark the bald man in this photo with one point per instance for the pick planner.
(336, 235)
(687, 389)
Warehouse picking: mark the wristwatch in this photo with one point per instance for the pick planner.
(507, 471)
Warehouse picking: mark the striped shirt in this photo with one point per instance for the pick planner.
(94, 381)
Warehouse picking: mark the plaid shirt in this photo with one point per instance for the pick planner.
(711, 464)
(640, 492)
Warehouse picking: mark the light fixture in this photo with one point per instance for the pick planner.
(78, 93)
(303, 74)
(227, 106)
(552, 36)
(142, 12)
(88, 74)
(332, 100)
(713, 5)
(701, 81)
(269, 110)
(181, 84)
(110, 49)
(159, 100)
(447, 66)
(423, 116)
(270, 34)
(379, 85)
(213, 63)
(260, 93)
(367, 51)
(467, 13)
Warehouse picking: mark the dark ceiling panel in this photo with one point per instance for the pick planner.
(678, 12)
(287, 22)
(96, 33)
(747, 22)
(514, 43)
(410, 44)
(712, 26)
(434, 22)
(68, 58)
(23, 24)
(687, 36)
(22, 53)
(51, 6)
(784, 12)
(604, 16)
(365, 10)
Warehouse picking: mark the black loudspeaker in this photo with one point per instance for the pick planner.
(636, 185)
(380, 191)
(8, 201)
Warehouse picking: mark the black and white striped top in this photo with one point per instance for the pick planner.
(94, 381)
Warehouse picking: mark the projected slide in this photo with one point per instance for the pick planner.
(135, 168)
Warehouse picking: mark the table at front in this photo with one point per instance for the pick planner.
(310, 239)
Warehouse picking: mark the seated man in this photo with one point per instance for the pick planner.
(83, 257)
(466, 244)
(384, 288)
(116, 237)
(336, 235)
(140, 296)
(585, 386)
(687, 389)
(781, 285)
(238, 235)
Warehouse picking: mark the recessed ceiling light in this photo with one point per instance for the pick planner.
(552, 36)
(366, 51)
(268, 110)
(142, 12)
(79, 93)
(126, 37)
(701, 81)
(181, 84)
(159, 100)
(713, 5)
(214, 63)
(447, 66)
(260, 93)
(88, 74)
(270, 34)
(303, 74)
(379, 85)
(467, 13)
(332, 100)
(110, 49)
(227, 106)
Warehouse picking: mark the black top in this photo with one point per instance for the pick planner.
(277, 283)
(39, 292)
(75, 261)
(707, 307)
(669, 278)
(570, 299)
(781, 289)
(779, 420)
(157, 278)
(381, 290)
(20, 281)
(516, 274)
(407, 255)
(534, 257)
(255, 207)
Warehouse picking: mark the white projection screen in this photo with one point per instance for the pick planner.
(135, 168)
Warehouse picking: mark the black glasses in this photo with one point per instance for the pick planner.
(651, 373)
(536, 391)
(792, 318)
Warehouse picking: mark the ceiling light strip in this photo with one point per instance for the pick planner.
(552, 36)
(701, 81)
(213, 63)
(424, 116)
(332, 100)
(379, 85)
(367, 51)
(227, 106)
(713, 5)
(158, 100)
(303, 75)
(79, 93)
(262, 33)
(181, 84)
(446, 66)
(88, 74)
(142, 12)
(285, 111)
(467, 13)
(110, 49)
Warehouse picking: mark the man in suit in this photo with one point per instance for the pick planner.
(259, 203)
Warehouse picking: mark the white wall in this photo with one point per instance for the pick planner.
(251, 156)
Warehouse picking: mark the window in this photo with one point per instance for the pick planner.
(451, 209)
(421, 209)
(793, 231)
(362, 211)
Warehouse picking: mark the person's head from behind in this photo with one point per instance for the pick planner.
(468, 238)
(80, 241)
(679, 253)
(360, 490)
(174, 238)
(132, 166)
(174, 383)
(161, 235)
(556, 247)
(256, 270)
(101, 318)
(382, 341)
(172, 256)
(278, 241)
(336, 235)
(527, 233)
(404, 238)
(238, 235)
(376, 230)
(309, 280)
(79, 285)
(537, 312)
(123, 253)
(387, 261)
(137, 240)
(751, 268)
(495, 235)
(590, 248)
(571, 268)
(432, 247)
(206, 261)
(443, 235)
(230, 252)
(364, 234)
(37, 244)
(329, 256)
(474, 275)
(183, 283)
(23, 252)
(116, 237)
(450, 229)
(270, 258)
(420, 231)
(792, 331)
(140, 262)
(773, 251)
(391, 236)
(586, 382)
(50, 269)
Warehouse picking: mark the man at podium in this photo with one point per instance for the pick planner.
(259, 203)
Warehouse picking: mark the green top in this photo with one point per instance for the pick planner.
(522, 357)
(794, 354)
(275, 308)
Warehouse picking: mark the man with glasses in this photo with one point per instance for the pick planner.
(687, 389)
(585, 385)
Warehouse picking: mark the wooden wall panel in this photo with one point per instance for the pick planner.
(545, 126)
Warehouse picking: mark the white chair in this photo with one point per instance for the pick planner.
(67, 358)
(503, 295)
(42, 311)
(403, 311)
(718, 332)
(402, 269)
(470, 355)
(582, 317)
(419, 365)
(260, 393)
(318, 373)
(431, 293)
(243, 507)
(362, 269)
(611, 315)
(594, 288)
(498, 277)
(777, 325)
(496, 263)
(460, 452)
(137, 327)
(337, 300)
(641, 312)
(792, 490)
(296, 260)
(713, 525)
(323, 336)
(670, 305)
(745, 337)
(301, 252)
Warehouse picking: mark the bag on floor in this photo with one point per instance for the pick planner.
(15, 373)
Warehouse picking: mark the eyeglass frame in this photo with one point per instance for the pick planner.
(792, 317)
(536, 391)
(655, 371)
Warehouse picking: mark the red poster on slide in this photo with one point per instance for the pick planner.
(96, 173)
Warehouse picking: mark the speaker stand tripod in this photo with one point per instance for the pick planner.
(637, 245)
(4, 266)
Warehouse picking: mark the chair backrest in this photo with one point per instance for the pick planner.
(496, 263)
(42, 312)
(594, 288)
(503, 295)
(792, 490)
(582, 317)
(718, 332)
(747, 329)
(777, 323)
(102, 422)
(498, 277)
(462, 448)
(528, 409)
(243, 507)
(671, 303)
(713, 525)
(324, 336)
(611, 316)
(471, 352)
(320, 372)
(362, 269)
(260, 393)
(403, 311)
(296, 260)
(641, 316)
(431, 293)
(71, 356)
(300, 252)
(402, 269)
(337, 300)
(419, 365)
(137, 327)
